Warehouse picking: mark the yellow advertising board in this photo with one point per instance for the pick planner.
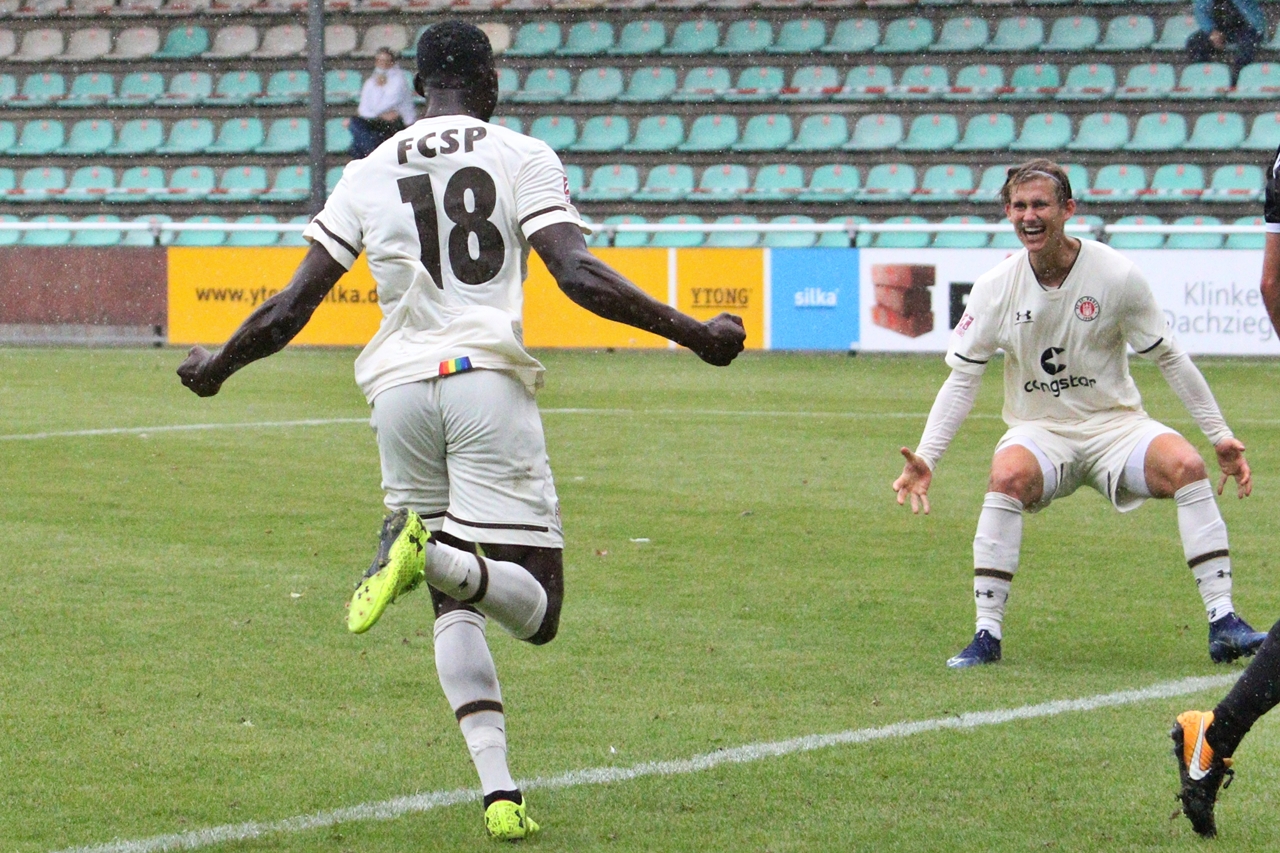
(709, 281)
(551, 320)
(212, 291)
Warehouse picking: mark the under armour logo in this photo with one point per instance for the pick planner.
(988, 593)
(1047, 362)
(1020, 317)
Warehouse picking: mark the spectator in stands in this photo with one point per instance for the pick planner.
(386, 106)
(1233, 27)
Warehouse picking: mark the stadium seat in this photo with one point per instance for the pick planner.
(235, 88)
(97, 237)
(40, 90)
(138, 136)
(865, 83)
(190, 183)
(1118, 182)
(8, 137)
(1137, 241)
(599, 85)
(931, 132)
(187, 89)
(906, 35)
(1034, 82)
(1237, 183)
(233, 42)
(888, 182)
(238, 136)
(903, 239)
(184, 43)
(678, 239)
(1203, 80)
(1257, 80)
(508, 83)
(612, 182)
(287, 136)
(987, 132)
(279, 42)
(1022, 34)
(201, 238)
(945, 183)
(961, 239)
(1088, 82)
(821, 132)
(790, 239)
(8, 87)
(8, 236)
(139, 89)
(88, 136)
(339, 40)
(8, 41)
(711, 133)
(834, 182)
(253, 238)
(87, 44)
(875, 132)
(538, 38)
(657, 133)
(341, 86)
(331, 177)
(148, 237)
(1158, 132)
(921, 83)
(989, 184)
(1073, 34)
(668, 182)
(90, 183)
(745, 239)
(639, 38)
(652, 84)
(134, 44)
(1256, 241)
(722, 182)
(41, 45)
(766, 132)
(1101, 132)
(703, 84)
(961, 35)
(1147, 82)
(393, 37)
(1094, 223)
(1177, 30)
(691, 38)
(544, 86)
(777, 182)
(1043, 132)
(812, 83)
(757, 83)
(1263, 133)
(588, 38)
(602, 134)
(746, 36)
(1217, 132)
(50, 237)
(1176, 182)
(557, 131)
(41, 184)
(1128, 33)
(976, 83)
(294, 238)
(800, 36)
(623, 239)
(1078, 177)
(240, 183)
(840, 239)
(139, 184)
(292, 183)
(337, 134)
(189, 136)
(853, 36)
(40, 138)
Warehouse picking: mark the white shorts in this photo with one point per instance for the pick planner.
(1112, 462)
(466, 452)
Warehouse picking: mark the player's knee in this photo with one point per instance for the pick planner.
(550, 623)
(1015, 482)
(1185, 468)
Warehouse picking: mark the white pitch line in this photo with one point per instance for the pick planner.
(416, 803)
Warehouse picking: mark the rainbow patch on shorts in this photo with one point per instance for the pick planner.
(455, 365)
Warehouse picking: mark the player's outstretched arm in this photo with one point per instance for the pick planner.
(1231, 462)
(600, 289)
(914, 482)
(266, 331)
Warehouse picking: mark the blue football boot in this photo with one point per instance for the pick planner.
(1231, 637)
(984, 649)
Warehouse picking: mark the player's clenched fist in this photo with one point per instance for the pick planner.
(725, 337)
(195, 374)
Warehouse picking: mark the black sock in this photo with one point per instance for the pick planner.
(1256, 693)
(493, 797)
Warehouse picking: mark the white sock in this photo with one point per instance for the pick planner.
(503, 591)
(1204, 543)
(996, 546)
(470, 683)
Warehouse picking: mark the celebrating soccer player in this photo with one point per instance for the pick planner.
(1064, 311)
(445, 212)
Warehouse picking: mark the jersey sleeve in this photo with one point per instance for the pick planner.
(1271, 207)
(337, 227)
(542, 193)
(975, 338)
(1145, 326)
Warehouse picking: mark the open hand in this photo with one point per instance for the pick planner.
(1232, 462)
(914, 481)
(196, 375)
(725, 336)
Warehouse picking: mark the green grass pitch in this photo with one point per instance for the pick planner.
(174, 654)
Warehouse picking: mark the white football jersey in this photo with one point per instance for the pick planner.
(442, 211)
(1066, 349)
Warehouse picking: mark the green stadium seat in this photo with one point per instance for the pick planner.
(711, 133)
(650, 85)
(1263, 133)
(790, 239)
(342, 86)
(538, 38)
(292, 183)
(1137, 241)
(138, 136)
(622, 239)
(757, 83)
(8, 87)
(853, 36)
(875, 132)
(40, 138)
(138, 89)
(767, 132)
(1118, 182)
(337, 134)
(50, 237)
(89, 136)
(294, 238)
(1128, 33)
(691, 38)
(734, 239)
(903, 239)
(1101, 132)
(41, 184)
(1090, 81)
(668, 182)
(1236, 183)
(906, 35)
(612, 182)
(1158, 132)
(8, 181)
(602, 134)
(865, 83)
(575, 178)
(600, 85)
(184, 43)
(545, 86)
(240, 184)
(40, 90)
(931, 132)
(1074, 34)
(1217, 132)
(1257, 80)
(821, 132)
(588, 38)
(253, 238)
(678, 239)
(888, 182)
(191, 183)
(90, 89)
(1078, 176)
(1177, 30)
(189, 136)
(945, 183)
(97, 237)
(961, 239)
(288, 136)
(189, 88)
(747, 36)
(238, 136)
(703, 84)
(509, 122)
(800, 36)
(834, 182)
(91, 183)
(722, 182)
(1022, 34)
(639, 38)
(139, 184)
(989, 184)
(1004, 240)
(657, 133)
(508, 83)
(1256, 241)
(201, 238)
(148, 238)
(961, 35)
(1095, 223)
(812, 83)
(1147, 82)
(1203, 80)
(921, 83)
(1043, 132)
(976, 83)
(987, 132)
(557, 131)
(9, 236)
(837, 239)
(777, 182)
(331, 177)
(8, 137)
(235, 88)
(1034, 82)
(1176, 182)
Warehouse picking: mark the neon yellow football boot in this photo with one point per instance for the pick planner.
(507, 821)
(398, 567)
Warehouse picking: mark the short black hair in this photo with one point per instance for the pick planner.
(453, 55)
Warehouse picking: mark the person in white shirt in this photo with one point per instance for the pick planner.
(386, 106)
(1065, 312)
(445, 213)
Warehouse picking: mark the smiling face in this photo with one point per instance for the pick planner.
(1039, 218)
